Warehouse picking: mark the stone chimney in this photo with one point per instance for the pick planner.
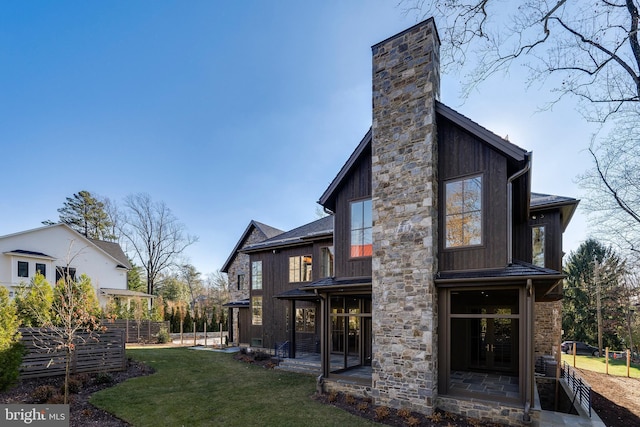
(406, 81)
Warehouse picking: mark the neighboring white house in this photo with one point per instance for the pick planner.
(54, 249)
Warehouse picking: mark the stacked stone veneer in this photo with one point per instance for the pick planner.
(404, 192)
(241, 265)
(548, 328)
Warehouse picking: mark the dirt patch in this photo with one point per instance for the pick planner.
(616, 400)
(82, 413)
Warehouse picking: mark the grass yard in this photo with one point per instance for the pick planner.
(617, 367)
(205, 388)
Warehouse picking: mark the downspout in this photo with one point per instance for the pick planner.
(530, 384)
(512, 178)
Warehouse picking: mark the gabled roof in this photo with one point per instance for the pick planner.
(321, 228)
(364, 144)
(267, 230)
(111, 249)
(566, 205)
(500, 144)
(114, 250)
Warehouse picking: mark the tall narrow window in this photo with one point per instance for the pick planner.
(300, 268)
(23, 269)
(538, 246)
(256, 310)
(326, 261)
(361, 229)
(256, 275)
(241, 282)
(463, 212)
(65, 272)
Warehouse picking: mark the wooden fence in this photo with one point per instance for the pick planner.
(97, 353)
(137, 331)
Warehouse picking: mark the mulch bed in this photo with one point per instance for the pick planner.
(82, 413)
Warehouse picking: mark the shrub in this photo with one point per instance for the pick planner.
(333, 396)
(261, 355)
(163, 336)
(11, 350)
(43, 393)
(350, 399)
(75, 385)
(382, 412)
(404, 413)
(413, 422)
(104, 378)
(363, 406)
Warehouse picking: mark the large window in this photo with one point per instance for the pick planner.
(538, 246)
(23, 269)
(361, 229)
(326, 261)
(300, 268)
(306, 320)
(256, 275)
(463, 212)
(256, 310)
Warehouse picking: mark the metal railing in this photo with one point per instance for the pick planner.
(581, 390)
(281, 350)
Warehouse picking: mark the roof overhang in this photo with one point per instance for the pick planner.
(124, 293)
(244, 303)
(29, 254)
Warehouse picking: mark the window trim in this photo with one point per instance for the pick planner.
(255, 285)
(482, 212)
(23, 267)
(363, 229)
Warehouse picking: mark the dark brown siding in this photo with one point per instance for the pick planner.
(356, 186)
(550, 219)
(522, 241)
(277, 318)
(244, 326)
(460, 154)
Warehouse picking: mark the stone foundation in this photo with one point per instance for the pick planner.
(487, 411)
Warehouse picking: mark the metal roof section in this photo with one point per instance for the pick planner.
(518, 270)
(566, 205)
(338, 283)
(244, 303)
(298, 294)
(29, 254)
(321, 228)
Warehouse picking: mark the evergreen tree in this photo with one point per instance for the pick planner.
(33, 302)
(86, 214)
(593, 271)
(11, 349)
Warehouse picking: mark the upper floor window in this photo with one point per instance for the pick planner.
(463, 212)
(23, 269)
(538, 246)
(41, 268)
(326, 261)
(241, 282)
(300, 268)
(361, 229)
(65, 272)
(256, 275)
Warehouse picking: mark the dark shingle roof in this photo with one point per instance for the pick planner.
(332, 283)
(517, 270)
(267, 230)
(299, 294)
(114, 250)
(566, 205)
(29, 253)
(320, 228)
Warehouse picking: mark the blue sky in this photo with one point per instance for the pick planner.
(226, 111)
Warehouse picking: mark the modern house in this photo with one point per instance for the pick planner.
(57, 250)
(446, 279)
(237, 267)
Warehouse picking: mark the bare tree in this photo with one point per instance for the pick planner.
(155, 235)
(592, 46)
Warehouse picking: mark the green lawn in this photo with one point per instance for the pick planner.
(204, 388)
(617, 367)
